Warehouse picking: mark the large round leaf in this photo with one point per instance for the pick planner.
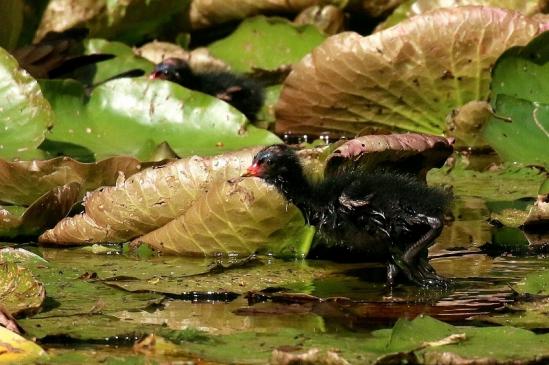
(239, 217)
(147, 200)
(407, 77)
(266, 43)
(133, 116)
(25, 115)
(15, 349)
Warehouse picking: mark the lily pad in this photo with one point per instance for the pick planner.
(205, 13)
(416, 7)
(147, 113)
(25, 115)
(408, 77)
(125, 59)
(147, 200)
(22, 182)
(266, 43)
(42, 214)
(536, 283)
(20, 293)
(250, 216)
(413, 153)
(520, 98)
(128, 20)
(15, 349)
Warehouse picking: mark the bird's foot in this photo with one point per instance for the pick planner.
(419, 272)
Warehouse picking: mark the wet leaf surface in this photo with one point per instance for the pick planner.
(26, 114)
(147, 113)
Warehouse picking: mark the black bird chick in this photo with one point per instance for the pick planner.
(376, 217)
(240, 91)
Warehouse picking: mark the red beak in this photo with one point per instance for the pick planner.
(156, 75)
(253, 170)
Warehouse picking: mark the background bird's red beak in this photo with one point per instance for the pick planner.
(156, 75)
(253, 170)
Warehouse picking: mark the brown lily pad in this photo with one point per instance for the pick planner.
(44, 213)
(408, 77)
(22, 182)
(413, 153)
(205, 13)
(239, 217)
(147, 200)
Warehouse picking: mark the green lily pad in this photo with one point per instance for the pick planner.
(520, 99)
(20, 293)
(536, 283)
(148, 113)
(408, 77)
(529, 315)
(508, 182)
(266, 43)
(11, 17)
(125, 59)
(25, 115)
(126, 20)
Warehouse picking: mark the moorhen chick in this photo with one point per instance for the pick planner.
(380, 216)
(243, 93)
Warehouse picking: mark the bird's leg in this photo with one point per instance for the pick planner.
(426, 240)
(424, 272)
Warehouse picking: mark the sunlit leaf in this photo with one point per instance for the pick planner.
(22, 182)
(520, 98)
(148, 113)
(147, 200)
(15, 349)
(125, 59)
(42, 214)
(250, 216)
(266, 43)
(25, 115)
(20, 293)
(416, 7)
(408, 77)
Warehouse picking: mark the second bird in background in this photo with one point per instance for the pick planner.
(245, 94)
